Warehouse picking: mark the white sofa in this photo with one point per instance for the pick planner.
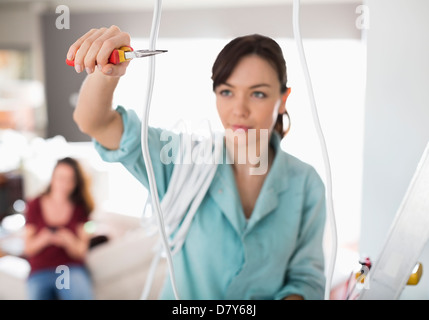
(119, 267)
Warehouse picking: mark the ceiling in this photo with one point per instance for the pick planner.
(90, 5)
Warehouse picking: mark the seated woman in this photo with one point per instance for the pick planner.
(55, 240)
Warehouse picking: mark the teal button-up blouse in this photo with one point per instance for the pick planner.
(277, 252)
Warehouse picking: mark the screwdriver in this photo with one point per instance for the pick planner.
(125, 54)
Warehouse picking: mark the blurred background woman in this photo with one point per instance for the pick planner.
(55, 240)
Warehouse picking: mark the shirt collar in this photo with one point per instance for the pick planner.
(275, 183)
(224, 189)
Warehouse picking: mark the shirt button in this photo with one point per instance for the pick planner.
(220, 191)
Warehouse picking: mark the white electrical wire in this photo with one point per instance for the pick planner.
(330, 207)
(188, 184)
(144, 143)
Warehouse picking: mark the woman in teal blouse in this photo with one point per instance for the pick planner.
(257, 234)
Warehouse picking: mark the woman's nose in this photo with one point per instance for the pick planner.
(240, 108)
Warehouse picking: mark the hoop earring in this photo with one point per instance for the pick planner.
(286, 118)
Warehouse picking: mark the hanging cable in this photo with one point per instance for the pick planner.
(330, 207)
(144, 142)
(188, 184)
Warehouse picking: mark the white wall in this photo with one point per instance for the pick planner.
(397, 118)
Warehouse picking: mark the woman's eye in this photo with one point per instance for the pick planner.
(259, 94)
(225, 93)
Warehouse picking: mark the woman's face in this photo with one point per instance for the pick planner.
(63, 179)
(250, 98)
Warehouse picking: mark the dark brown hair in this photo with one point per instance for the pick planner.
(81, 194)
(259, 45)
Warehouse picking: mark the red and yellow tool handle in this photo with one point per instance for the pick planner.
(117, 56)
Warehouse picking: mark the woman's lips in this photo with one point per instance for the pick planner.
(236, 127)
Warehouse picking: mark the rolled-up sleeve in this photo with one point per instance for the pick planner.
(129, 153)
(305, 274)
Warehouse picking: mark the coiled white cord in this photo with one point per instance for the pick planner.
(330, 206)
(189, 182)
